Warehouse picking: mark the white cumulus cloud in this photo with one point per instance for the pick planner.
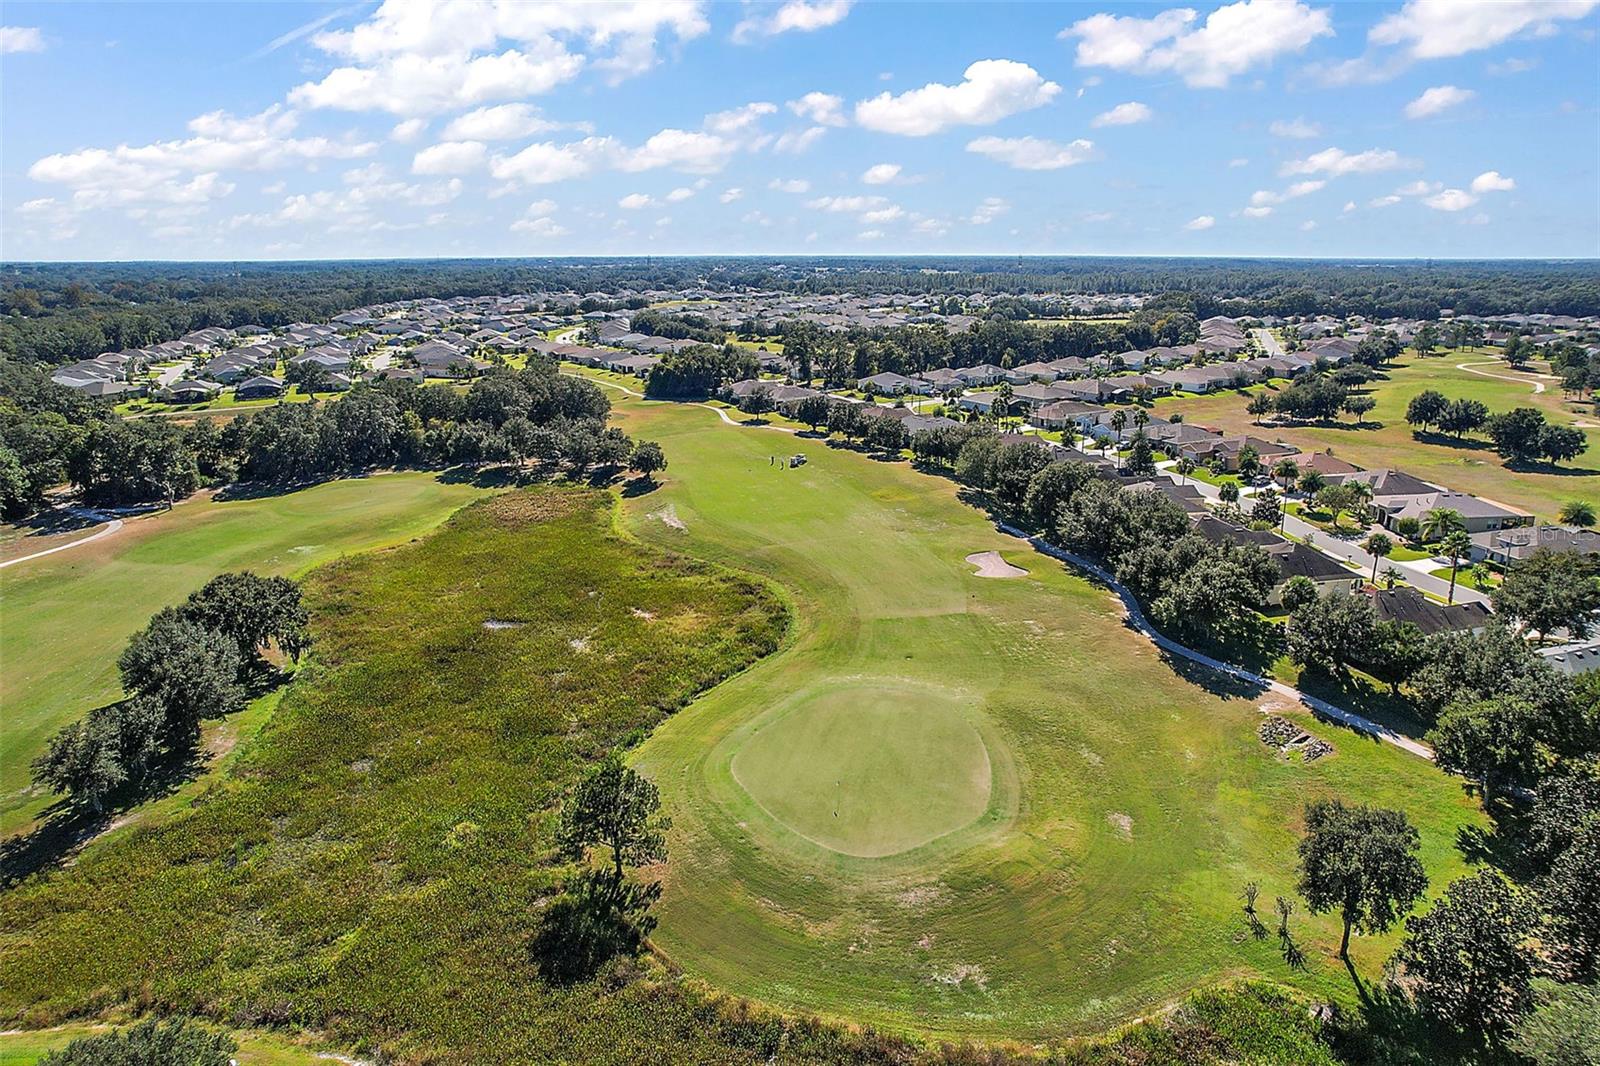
(1492, 181)
(1450, 200)
(1337, 162)
(801, 16)
(409, 130)
(822, 108)
(20, 39)
(990, 209)
(1033, 153)
(1437, 99)
(1200, 222)
(991, 90)
(501, 122)
(1437, 29)
(542, 226)
(450, 157)
(880, 173)
(1127, 114)
(412, 57)
(1234, 39)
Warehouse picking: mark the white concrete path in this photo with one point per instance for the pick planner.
(110, 528)
(1538, 386)
(1320, 707)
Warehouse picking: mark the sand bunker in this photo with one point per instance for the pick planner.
(669, 515)
(990, 564)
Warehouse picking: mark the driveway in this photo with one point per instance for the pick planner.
(1349, 550)
(1268, 341)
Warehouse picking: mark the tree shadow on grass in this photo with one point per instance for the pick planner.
(65, 828)
(639, 486)
(1388, 1028)
(1551, 469)
(56, 522)
(498, 476)
(1445, 440)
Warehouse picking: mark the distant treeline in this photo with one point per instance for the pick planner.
(50, 436)
(56, 312)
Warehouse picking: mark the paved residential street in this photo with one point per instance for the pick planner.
(1268, 341)
(1351, 550)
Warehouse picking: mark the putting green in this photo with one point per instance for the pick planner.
(868, 771)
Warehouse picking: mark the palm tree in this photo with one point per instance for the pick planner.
(1249, 462)
(1141, 418)
(1286, 470)
(1185, 467)
(1456, 544)
(1312, 482)
(1378, 545)
(1578, 513)
(1362, 497)
(1119, 422)
(1481, 576)
(1440, 522)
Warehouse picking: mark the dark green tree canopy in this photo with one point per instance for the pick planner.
(1360, 862)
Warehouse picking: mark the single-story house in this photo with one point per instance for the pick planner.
(1405, 604)
(891, 384)
(192, 390)
(1478, 515)
(1323, 463)
(1573, 659)
(1064, 414)
(1036, 372)
(982, 402)
(257, 388)
(943, 379)
(1508, 546)
(983, 374)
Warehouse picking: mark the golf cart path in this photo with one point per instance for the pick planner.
(111, 527)
(721, 412)
(1538, 386)
(1318, 706)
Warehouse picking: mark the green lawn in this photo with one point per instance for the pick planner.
(1125, 805)
(1467, 466)
(81, 605)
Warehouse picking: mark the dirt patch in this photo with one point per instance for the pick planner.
(962, 973)
(990, 564)
(579, 644)
(669, 516)
(497, 624)
(646, 615)
(1122, 823)
(921, 896)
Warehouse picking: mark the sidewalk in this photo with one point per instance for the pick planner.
(1320, 707)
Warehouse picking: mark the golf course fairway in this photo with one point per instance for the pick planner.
(964, 807)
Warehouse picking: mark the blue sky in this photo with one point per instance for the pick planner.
(1429, 128)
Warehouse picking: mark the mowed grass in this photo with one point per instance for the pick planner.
(68, 615)
(867, 771)
(1127, 807)
(374, 865)
(1469, 465)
